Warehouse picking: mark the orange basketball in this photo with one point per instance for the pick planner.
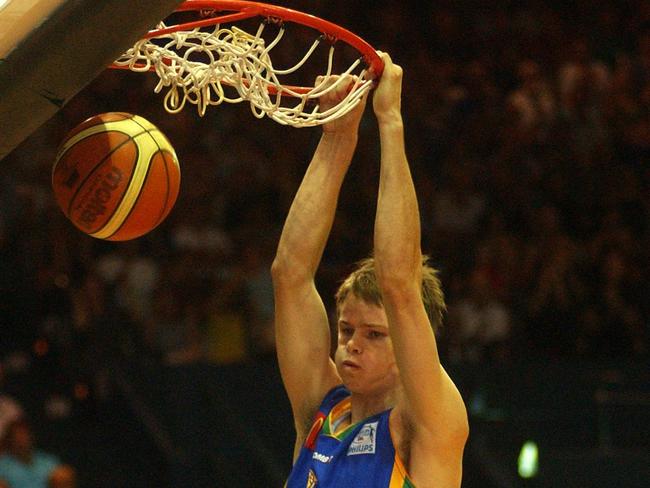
(116, 176)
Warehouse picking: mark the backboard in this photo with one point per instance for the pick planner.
(45, 61)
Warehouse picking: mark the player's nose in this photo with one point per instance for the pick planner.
(353, 345)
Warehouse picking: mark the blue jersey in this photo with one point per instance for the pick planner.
(362, 455)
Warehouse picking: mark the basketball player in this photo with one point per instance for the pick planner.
(383, 413)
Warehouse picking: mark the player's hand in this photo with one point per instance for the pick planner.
(348, 123)
(387, 97)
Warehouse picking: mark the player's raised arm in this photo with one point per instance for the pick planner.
(301, 321)
(431, 403)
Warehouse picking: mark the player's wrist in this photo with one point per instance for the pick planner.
(341, 135)
(391, 119)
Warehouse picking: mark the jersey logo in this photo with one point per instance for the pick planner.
(312, 481)
(321, 457)
(364, 442)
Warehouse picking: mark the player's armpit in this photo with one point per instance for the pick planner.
(303, 346)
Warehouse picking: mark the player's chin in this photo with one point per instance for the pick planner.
(358, 387)
(343, 374)
(353, 381)
(352, 386)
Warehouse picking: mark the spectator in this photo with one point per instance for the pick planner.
(10, 409)
(533, 101)
(479, 323)
(258, 290)
(24, 466)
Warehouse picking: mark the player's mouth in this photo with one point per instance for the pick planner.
(350, 364)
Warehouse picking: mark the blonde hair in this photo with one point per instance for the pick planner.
(362, 283)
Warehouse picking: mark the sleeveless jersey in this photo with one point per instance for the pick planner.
(361, 456)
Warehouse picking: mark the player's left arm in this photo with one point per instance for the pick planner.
(432, 403)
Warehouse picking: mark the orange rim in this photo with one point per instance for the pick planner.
(244, 10)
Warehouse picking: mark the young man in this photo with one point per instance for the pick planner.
(399, 420)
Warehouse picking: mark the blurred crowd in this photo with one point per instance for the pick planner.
(528, 131)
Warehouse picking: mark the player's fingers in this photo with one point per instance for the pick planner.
(344, 86)
(392, 71)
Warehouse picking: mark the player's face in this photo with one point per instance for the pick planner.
(364, 355)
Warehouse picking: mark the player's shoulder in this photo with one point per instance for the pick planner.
(332, 397)
(423, 454)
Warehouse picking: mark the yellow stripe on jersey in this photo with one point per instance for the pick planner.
(396, 477)
(399, 478)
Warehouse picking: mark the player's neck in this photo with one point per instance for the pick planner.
(364, 406)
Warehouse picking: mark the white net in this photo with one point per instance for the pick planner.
(230, 65)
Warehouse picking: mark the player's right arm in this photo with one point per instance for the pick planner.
(301, 321)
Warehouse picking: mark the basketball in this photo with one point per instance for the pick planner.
(116, 176)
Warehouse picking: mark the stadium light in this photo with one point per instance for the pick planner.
(528, 462)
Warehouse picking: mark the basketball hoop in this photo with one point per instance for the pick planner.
(207, 61)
